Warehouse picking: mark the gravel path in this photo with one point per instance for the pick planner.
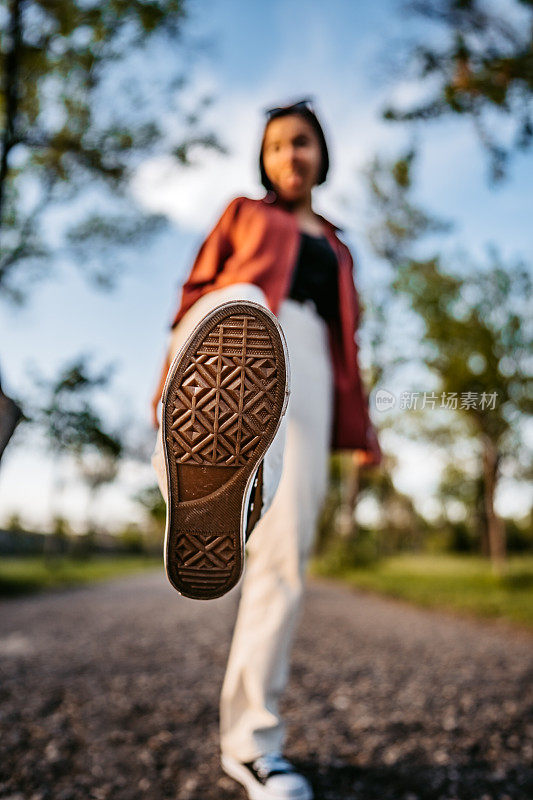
(111, 691)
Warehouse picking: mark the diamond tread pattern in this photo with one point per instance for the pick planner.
(222, 409)
(223, 404)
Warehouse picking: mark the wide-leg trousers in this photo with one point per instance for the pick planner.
(294, 486)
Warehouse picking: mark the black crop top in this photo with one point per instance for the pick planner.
(315, 276)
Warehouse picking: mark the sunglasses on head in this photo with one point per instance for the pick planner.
(301, 104)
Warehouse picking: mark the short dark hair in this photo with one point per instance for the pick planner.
(312, 119)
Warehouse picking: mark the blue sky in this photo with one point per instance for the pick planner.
(260, 54)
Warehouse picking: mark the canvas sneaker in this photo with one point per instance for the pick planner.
(269, 777)
(225, 394)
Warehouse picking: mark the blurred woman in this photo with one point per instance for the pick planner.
(276, 267)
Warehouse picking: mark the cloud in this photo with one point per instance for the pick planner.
(193, 196)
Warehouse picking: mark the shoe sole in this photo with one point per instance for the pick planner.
(224, 397)
(256, 791)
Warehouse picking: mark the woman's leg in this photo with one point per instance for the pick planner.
(278, 550)
(273, 460)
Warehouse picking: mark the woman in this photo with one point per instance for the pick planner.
(285, 266)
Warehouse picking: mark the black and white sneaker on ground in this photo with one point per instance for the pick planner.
(269, 777)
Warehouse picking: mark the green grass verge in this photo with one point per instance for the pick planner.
(463, 584)
(33, 574)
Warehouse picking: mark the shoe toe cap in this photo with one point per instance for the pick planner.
(291, 786)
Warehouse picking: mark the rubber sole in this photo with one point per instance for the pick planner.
(225, 394)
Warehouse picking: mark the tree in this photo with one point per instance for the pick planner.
(72, 426)
(476, 326)
(459, 491)
(78, 113)
(479, 66)
(476, 338)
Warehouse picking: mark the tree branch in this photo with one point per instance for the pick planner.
(11, 92)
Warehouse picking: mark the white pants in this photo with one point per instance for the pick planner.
(294, 486)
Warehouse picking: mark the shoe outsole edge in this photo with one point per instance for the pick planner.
(190, 527)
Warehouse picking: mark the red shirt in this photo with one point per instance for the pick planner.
(257, 241)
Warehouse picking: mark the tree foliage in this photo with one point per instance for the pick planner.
(67, 415)
(481, 63)
(476, 332)
(78, 113)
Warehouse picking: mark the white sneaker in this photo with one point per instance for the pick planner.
(269, 777)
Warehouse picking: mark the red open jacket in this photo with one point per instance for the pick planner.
(257, 241)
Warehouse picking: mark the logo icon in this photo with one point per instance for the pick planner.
(384, 400)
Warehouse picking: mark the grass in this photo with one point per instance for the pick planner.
(458, 583)
(464, 584)
(32, 574)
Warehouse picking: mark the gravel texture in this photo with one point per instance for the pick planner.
(111, 691)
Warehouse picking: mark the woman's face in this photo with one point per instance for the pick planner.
(291, 156)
